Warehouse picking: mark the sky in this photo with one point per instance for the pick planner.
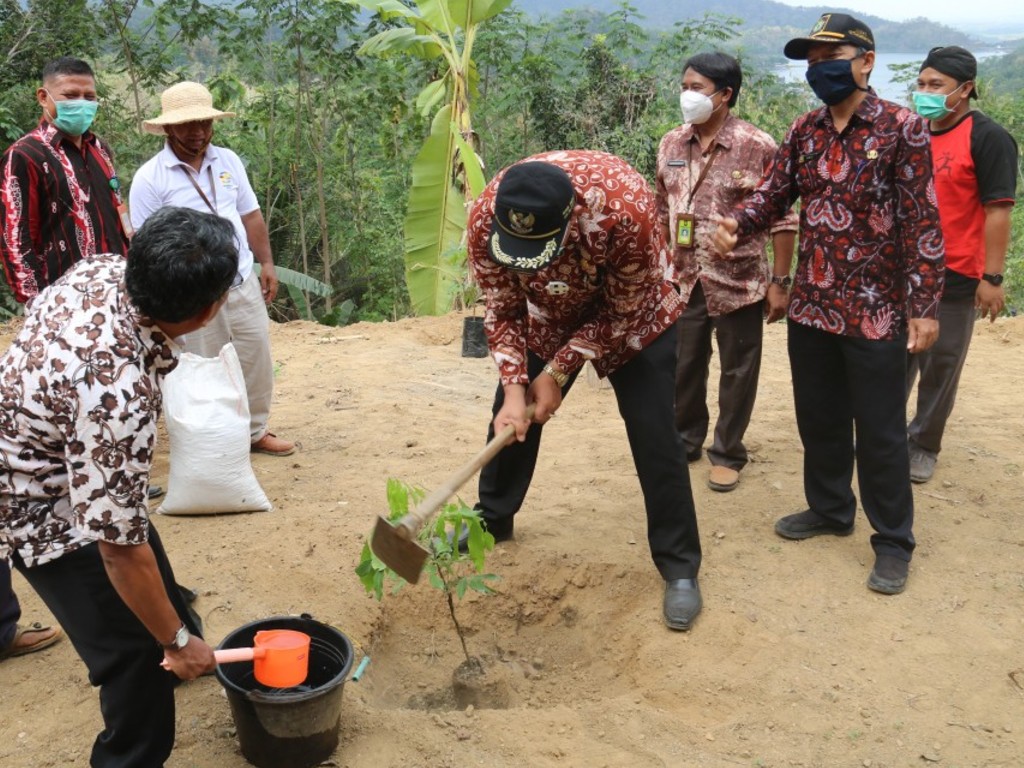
(987, 14)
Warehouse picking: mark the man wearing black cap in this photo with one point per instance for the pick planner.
(866, 289)
(975, 167)
(568, 251)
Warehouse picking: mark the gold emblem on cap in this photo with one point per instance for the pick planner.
(521, 222)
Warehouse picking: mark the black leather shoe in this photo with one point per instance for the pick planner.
(804, 525)
(500, 531)
(682, 603)
(889, 576)
(155, 492)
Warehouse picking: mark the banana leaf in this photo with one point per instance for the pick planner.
(434, 222)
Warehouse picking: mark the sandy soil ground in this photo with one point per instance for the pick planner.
(794, 662)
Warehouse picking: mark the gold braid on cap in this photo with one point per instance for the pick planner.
(534, 263)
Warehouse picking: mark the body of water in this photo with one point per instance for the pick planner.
(882, 79)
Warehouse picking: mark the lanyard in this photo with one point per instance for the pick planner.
(213, 189)
(703, 171)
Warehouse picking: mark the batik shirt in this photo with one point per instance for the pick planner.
(871, 249)
(604, 298)
(58, 203)
(79, 401)
(739, 156)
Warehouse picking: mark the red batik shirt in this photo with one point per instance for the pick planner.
(604, 298)
(871, 249)
(57, 205)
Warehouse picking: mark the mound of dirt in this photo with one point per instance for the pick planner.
(794, 662)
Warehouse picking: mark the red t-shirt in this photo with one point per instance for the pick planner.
(974, 164)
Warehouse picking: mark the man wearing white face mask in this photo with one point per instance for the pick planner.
(704, 167)
(974, 161)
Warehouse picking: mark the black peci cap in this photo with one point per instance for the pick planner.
(532, 210)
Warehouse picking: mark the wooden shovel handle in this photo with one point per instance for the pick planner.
(410, 524)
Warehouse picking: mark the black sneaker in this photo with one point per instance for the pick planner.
(804, 525)
(889, 576)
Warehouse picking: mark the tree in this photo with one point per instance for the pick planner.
(446, 173)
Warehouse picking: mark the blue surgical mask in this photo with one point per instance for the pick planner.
(832, 80)
(932, 106)
(74, 116)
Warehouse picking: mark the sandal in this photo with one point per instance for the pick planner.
(31, 638)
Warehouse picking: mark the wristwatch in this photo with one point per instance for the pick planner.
(560, 377)
(179, 641)
(783, 281)
(996, 279)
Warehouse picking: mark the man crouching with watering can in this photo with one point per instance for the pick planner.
(80, 389)
(568, 252)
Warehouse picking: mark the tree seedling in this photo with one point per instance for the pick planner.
(448, 570)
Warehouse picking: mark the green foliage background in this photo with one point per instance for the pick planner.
(329, 136)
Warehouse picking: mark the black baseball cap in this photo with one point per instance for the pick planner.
(532, 210)
(839, 28)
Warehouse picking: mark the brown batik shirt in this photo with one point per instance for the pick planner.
(604, 298)
(739, 156)
(79, 401)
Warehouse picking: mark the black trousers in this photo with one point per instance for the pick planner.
(739, 335)
(123, 659)
(940, 368)
(844, 386)
(644, 389)
(10, 608)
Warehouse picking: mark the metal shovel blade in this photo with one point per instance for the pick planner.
(404, 557)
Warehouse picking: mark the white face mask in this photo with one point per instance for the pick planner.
(697, 108)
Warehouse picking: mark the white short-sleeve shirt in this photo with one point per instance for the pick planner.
(164, 180)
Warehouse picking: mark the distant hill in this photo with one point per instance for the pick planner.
(774, 22)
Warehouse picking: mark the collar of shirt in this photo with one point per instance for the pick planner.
(724, 138)
(51, 135)
(866, 112)
(161, 351)
(170, 160)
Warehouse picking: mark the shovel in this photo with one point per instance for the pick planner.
(395, 544)
(280, 657)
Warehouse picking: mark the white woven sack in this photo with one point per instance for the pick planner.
(207, 414)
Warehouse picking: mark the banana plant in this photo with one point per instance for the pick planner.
(447, 172)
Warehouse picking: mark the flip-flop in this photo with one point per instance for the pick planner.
(47, 637)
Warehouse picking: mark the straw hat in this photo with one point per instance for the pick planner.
(184, 103)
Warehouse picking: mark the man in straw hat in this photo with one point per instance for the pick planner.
(569, 253)
(76, 445)
(191, 172)
(975, 166)
(866, 289)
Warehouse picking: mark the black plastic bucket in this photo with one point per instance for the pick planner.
(474, 340)
(289, 727)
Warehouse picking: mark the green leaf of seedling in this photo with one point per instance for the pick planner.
(398, 498)
(460, 588)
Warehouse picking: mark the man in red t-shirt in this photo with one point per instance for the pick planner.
(974, 163)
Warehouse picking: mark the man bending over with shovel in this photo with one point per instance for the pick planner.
(567, 249)
(80, 391)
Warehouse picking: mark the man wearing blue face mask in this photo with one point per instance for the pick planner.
(59, 194)
(865, 292)
(975, 167)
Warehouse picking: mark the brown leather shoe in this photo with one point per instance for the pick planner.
(723, 479)
(31, 638)
(272, 445)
